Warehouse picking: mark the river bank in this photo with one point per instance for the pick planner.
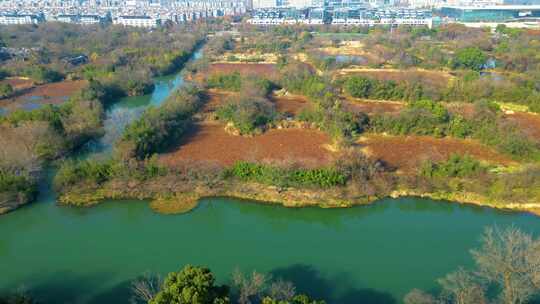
(172, 197)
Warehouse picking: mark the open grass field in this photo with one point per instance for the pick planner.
(210, 142)
(33, 96)
(406, 153)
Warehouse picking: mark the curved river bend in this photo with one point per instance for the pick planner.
(368, 254)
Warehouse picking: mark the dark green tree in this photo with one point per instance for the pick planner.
(5, 90)
(191, 285)
(470, 58)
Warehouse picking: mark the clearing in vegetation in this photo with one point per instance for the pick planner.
(374, 107)
(210, 142)
(214, 99)
(354, 48)
(290, 104)
(407, 153)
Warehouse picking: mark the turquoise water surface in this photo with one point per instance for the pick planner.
(368, 254)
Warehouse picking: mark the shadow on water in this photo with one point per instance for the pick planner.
(66, 287)
(339, 290)
(120, 293)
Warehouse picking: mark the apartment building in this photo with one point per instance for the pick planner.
(138, 21)
(20, 19)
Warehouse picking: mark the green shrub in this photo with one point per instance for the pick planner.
(160, 127)
(41, 74)
(249, 114)
(322, 177)
(3, 74)
(231, 82)
(16, 182)
(364, 87)
(88, 171)
(470, 58)
(455, 166)
(5, 90)
(95, 172)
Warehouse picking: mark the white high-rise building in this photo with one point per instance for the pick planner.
(258, 4)
(300, 3)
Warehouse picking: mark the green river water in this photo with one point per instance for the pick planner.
(367, 254)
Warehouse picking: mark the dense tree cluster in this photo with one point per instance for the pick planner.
(363, 87)
(196, 285)
(5, 90)
(160, 127)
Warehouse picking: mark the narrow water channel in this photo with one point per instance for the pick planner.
(121, 113)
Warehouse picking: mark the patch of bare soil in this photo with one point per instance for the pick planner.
(290, 104)
(527, 122)
(374, 107)
(407, 153)
(210, 143)
(216, 98)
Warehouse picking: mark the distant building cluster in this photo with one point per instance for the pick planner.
(492, 13)
(141, 13)
(153, 13)
(343, 16)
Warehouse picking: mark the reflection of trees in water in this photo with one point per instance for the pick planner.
(282, 218)
(338, 289)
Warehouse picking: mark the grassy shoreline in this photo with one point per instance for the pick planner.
(175, 202)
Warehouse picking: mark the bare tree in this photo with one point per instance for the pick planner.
(281, 290)
(146, 287)
(511, 259)
(417, 296)
(462, 287)
(249, 287)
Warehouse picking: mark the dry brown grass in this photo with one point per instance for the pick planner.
(210, 142)
(374, 107)
(529, 123)
(290, 104)
(406, 153)
(51, 93)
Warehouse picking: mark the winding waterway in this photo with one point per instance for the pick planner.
(368, 254)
